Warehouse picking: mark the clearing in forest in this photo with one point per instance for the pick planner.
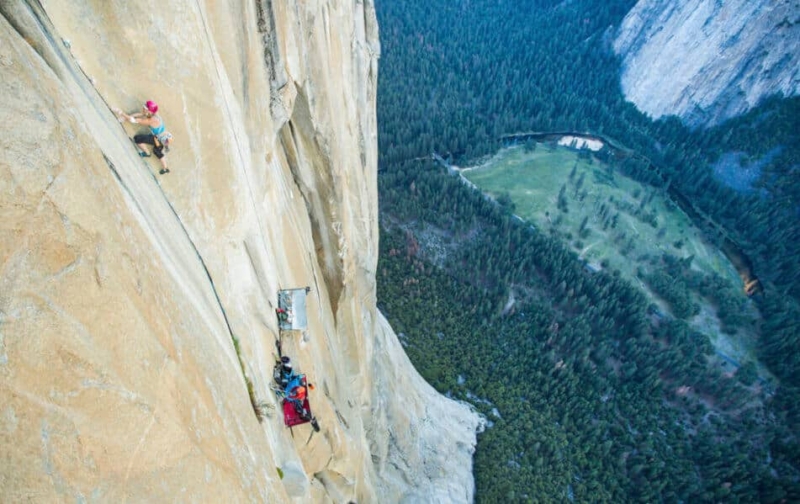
(612, 222)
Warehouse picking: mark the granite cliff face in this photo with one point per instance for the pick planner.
(706, 61)
(121, 291)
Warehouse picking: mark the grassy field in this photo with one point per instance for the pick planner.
(610, 220)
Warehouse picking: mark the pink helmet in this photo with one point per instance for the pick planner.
(151, 106)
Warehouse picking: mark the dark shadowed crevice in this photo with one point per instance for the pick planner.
(266, 27)
(312, 174)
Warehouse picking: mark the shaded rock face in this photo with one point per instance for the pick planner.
(121, 291)
(706, 61)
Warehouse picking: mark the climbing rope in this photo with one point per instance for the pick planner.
(230, 119)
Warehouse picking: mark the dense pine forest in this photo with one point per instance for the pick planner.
(592, 395)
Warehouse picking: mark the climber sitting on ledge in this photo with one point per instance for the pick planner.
(297, 395)
(284, 371)
(293, 388)
(158, 137)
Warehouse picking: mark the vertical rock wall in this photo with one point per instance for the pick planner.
(707, 61)
(122, 291)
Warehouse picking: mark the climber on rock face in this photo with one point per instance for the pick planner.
(297, 392)
(158, 137)
(293, 389)
(287, 373)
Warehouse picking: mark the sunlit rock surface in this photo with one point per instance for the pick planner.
(706, 60)
(121, 290)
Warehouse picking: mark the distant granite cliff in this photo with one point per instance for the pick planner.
(705, 60)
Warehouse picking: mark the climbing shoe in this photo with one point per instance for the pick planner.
(162, 171)
(144, 154)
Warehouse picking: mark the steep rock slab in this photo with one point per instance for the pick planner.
(121, 294)
(707, 61)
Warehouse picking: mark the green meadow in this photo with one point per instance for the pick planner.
(611, 221)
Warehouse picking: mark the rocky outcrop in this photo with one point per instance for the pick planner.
(707, 61)
(122, 291)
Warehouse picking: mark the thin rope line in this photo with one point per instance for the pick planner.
(233, 129)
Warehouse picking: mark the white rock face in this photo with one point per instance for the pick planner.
(121, 291)
(706, 60)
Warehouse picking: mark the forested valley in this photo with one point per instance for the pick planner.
(592, 396)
